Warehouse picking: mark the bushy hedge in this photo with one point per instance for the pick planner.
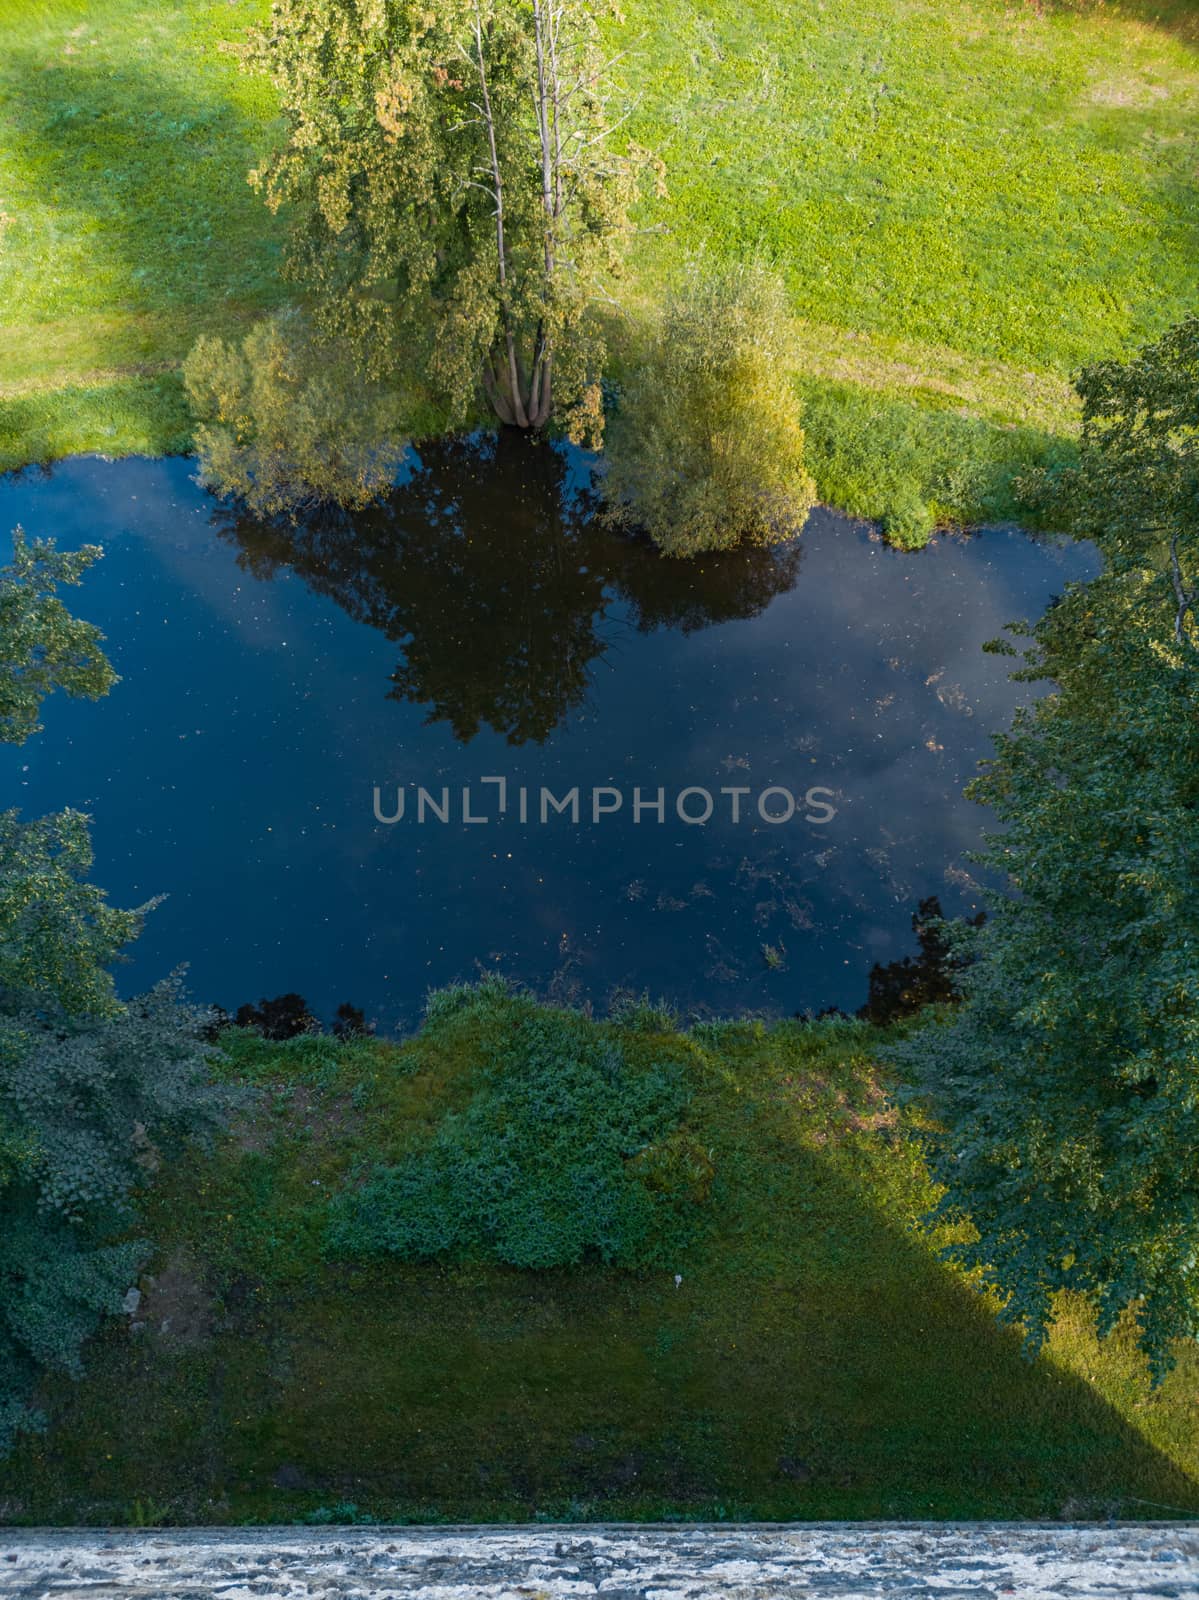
(286, 424)
(705, 448)
(568, 1148)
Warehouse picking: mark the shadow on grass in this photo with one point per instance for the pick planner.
(1175, 17)
(814, 1362)
(140, 219)
(139, 415)
(147, 180)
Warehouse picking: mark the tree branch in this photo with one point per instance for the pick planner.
(1184, 596)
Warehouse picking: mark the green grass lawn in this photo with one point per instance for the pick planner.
(127, 226)
(968, 200)
(816, 1360)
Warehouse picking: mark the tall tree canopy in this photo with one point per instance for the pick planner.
(459, 200)
(1067, 1084)
(88, 1084)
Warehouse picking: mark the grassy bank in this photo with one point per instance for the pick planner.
(967, 201)
(816, 1359)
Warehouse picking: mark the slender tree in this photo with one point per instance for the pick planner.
(460, 197)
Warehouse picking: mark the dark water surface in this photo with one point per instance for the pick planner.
(481, 625)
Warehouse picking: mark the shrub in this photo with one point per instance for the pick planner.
(285, 1017)
(490, 995)
(285, 424)
(706, 447)
(564, 1151)
(88, 1110)
(909, 522)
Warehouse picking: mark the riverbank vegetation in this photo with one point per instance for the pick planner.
(535, 1262)
(782, 1343)
(531, 1261)
(705, 447)
(964, 205)
(94, 1091)
(1066, 1083)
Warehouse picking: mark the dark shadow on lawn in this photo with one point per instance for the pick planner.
(827, 1368)
(1175, 17)
(153, 176)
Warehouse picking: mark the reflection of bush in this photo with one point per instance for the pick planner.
(285, 1017)
(286, 424)
(566, 1150)
(902, 988)
(497, 586)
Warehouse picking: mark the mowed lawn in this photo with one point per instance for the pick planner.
(967, 201)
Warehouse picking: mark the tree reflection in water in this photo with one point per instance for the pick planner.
(490, 569)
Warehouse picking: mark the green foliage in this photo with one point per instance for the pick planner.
(639, 1014)
(909, 522)
(548, 1163)
(90, 1087)
(56, 1284)
(457, 201)
(97, 1099)
(1067, 1083)
(58, 934)
(92, 1093)
(937, 211)
(97, 1106)
(345, 1514)
(813, 1325)
(285, 424)
(706, 450)
(42, 646)
(914, 467)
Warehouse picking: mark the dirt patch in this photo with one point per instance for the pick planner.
(828, 1110)
(1127, 94)
(300, 1110)
(175, 1309)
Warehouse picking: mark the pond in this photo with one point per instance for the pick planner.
(282, 687)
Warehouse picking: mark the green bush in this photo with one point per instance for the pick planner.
(705, 444)
(909, 522)
(563, 1152)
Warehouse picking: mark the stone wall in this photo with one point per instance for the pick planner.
(951, 1561)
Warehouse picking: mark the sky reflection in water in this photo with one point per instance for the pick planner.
(481, 624)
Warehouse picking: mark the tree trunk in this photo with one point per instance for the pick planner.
(524, 398)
